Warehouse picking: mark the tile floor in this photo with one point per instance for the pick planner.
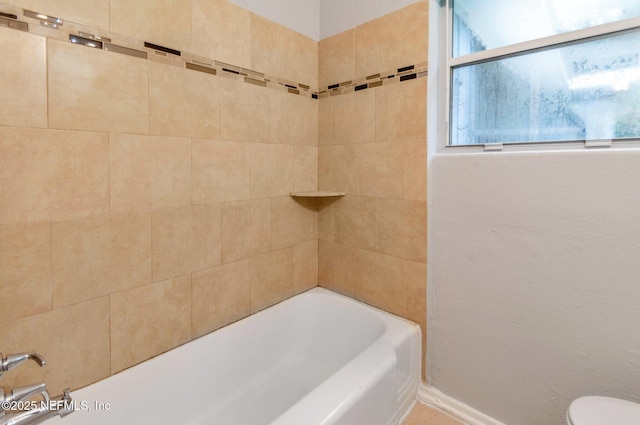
(425, 415)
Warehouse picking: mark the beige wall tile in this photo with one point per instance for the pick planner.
(25, 270)
(337, 269)
(271, 169)
(88, 90)
(150, 320)
(378, 44)
(326, 219)
(353, 117)
(387, 282)
(97, 256)
(401, 111)
(245, 112)
(183, 102)
(337, 168)
(246, 229)
(185, 240)
(379, 281)
(326, 107)
(365, 228)
(379, 170)
(222, 31)
(415, 43)
(402, 228)
(131, 168)
(337, 58)
(355, 222)
(414, 282)
(294, 119)
(148, 172)
(46, 174)
(220, 296)
(271, 278)
(293, 221)
(305, 266)
(220, 171)
(281, 52)
(414, 174)
(73, 340)
(305, 168)
(93, 13)
(164, 22)
(23, 94)
(171, 179)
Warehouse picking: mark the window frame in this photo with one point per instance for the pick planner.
(446, 64)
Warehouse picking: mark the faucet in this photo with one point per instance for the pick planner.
(61, 405)
(10, 401)
(24, 393)
(13, 360)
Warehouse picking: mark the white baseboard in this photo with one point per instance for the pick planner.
(465, 414)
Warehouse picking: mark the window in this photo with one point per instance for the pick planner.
(523, 71)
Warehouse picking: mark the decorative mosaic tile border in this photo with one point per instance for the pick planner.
(60, 29)
(395, 76)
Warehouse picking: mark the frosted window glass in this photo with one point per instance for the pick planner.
(583, 91)
(489, 24)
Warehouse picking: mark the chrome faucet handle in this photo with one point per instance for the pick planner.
(13, 360)
(25, 393)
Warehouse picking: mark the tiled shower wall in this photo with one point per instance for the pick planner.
(372, 145)
(143, 204)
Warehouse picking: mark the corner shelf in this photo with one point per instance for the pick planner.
(317, 194)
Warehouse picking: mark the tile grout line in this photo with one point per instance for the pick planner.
(51, 278)
(46, 64)
(110, 344)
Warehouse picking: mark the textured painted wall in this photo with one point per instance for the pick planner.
(534, 285)
(337, 16)
(299, 15)
(320, 19)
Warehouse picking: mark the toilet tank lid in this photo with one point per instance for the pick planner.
(594, 410)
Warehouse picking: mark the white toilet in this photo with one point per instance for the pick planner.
(594, 410)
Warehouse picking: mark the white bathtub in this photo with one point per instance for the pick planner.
(318, 358)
